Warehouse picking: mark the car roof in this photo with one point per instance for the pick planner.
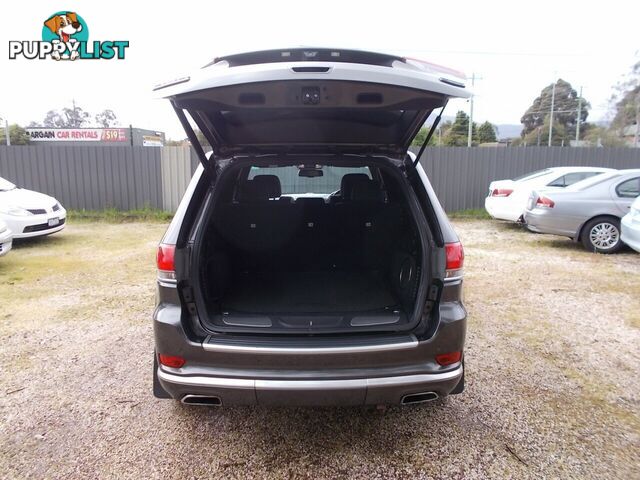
(327, 63)
(581, 169)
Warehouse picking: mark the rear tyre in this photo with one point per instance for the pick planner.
(158, 391)
(602, 235)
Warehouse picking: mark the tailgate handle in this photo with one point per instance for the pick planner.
(311, 69)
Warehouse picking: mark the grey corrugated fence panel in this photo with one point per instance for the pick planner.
(132, 177)
(87, 177)
(461, 176)
(176, 173)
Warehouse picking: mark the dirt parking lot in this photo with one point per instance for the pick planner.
(553, 365)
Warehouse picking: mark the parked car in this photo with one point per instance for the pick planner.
(507, 199)
(588, 211)
(310, 262)
(6, 239)
(630, 231)
(29, 213)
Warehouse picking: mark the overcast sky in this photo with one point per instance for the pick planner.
(516, 47)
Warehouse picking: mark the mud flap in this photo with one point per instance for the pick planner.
(158, 391)
(460, 386)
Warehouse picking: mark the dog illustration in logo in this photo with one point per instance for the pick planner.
(64, 26)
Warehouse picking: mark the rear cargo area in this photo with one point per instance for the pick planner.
(303, 261)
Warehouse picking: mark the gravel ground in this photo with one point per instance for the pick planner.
(552, 375)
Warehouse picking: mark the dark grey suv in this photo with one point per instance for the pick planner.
(310, 262)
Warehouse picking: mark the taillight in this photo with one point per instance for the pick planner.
(544, 202)
(501, 192)
(448, 358)
(165, 262)
(455, 259)
(173, 361)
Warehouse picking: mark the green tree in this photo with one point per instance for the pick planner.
(625, 102)
(457, 134)
(422, 135)
(565, 109)
(540, 136)
(17, 135)
(486, 133)
(106, 119)
(68, 117)
(52, 119)
(598, 136)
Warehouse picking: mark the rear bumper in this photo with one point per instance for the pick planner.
(356, 391)
(502, 208)
(630, 233)
(544, 221)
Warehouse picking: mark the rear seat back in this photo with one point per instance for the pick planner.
(260, 224)
(367, 225)
(269, 232)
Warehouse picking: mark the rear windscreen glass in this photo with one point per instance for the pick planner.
(292, 183)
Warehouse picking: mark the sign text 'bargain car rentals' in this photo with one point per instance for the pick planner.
(77, 134)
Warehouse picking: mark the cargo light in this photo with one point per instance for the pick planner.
(455, 259)
(449, 358)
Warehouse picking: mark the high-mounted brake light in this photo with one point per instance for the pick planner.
(173, 361)
(165, 261)
(455, 259)
(448, 358)
(501, 192)
(544, 202)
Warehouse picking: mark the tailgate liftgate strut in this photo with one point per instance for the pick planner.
(434, 125)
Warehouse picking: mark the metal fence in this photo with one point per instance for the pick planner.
(87, 177)
(461, 176)
(93, 178)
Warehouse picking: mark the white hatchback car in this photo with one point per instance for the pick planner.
(28, 213)
(5, 239)
(507, 199)
(630, 224)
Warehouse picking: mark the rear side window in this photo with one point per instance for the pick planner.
(529, 176)
(292, 183)
(629, 188)
(571, 178)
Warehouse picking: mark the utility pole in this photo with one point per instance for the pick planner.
(578, 119)
(553, 101)
(6, 132)
(470, 133)
(637, 136)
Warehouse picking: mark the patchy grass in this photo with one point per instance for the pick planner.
(113, 215)
(471, 213)
(70, 275)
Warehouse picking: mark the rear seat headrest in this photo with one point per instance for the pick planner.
(262, 187)
(367, 192)
(348, 181)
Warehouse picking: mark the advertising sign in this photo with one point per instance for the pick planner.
(77, 134)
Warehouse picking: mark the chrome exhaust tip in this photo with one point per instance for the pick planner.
(418, 398)
(202, 400)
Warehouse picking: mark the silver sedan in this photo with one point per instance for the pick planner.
(588, 211)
